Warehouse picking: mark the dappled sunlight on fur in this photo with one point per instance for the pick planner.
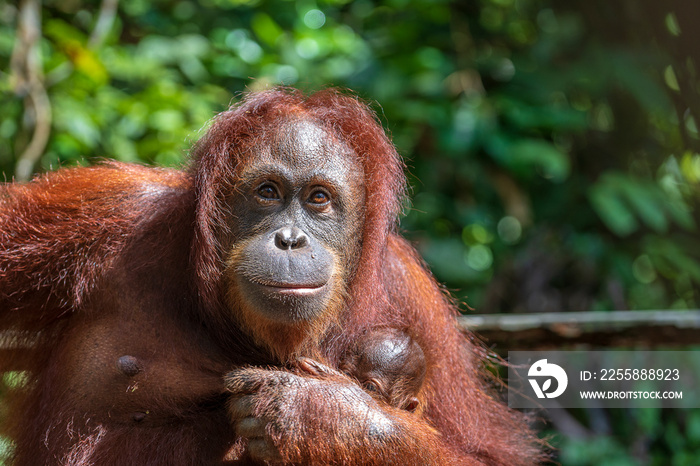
(121, 262)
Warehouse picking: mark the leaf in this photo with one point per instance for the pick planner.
(166, 120)
(611, 210)
(554, 163)
(680, 213)
(544, 116)
(628, 69)
(447, 257)
(526, 156)
(188, 45)
(646, 199)
(672, 258)
(619, 199)
(266, 29)
(693, 427)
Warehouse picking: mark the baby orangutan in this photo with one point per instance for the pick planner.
(387, 362)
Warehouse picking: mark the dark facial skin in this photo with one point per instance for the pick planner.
(388, 363)
(297, 224)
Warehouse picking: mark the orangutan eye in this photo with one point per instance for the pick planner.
(319, 198)
(371, 386)
(268, 191)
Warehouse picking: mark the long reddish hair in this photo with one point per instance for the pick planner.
(229, 143)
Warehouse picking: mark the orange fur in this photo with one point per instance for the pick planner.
(285, 341)
(115, 260)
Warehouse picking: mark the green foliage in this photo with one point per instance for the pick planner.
(553, 151)
(646, 436)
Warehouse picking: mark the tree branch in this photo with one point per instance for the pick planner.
(105, 20)
(560, 330)
(28, 81)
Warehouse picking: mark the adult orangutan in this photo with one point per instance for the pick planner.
(154, 312)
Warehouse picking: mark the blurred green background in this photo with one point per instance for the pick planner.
(552, 147)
